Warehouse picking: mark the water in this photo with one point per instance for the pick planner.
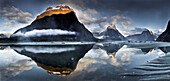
(115, 61)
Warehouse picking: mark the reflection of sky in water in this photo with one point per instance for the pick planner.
(96, 65)
(10, 56)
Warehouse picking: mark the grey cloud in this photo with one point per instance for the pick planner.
(12, 23)
(90, 20)
(125, 21)
(12, 13)
(130, 4)
(102, 27)
(92, 11)
(126, 24)
(14, 69)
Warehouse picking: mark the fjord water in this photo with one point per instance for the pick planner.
(85, 62)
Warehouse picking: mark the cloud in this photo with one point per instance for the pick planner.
(11, 24)
(120, 20)
(92, 11)
(12, 13)
(115, 19)
(14, 69)
(101, 27)
(85, 17)
(125, 21)
(126, 24)
(104, 25)
(44, 32)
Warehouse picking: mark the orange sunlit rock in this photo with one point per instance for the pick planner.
(56, 70)
(58, 10)
(152, 33)
(151, 50)
(0, 37)
(113, 27)
(113, 54)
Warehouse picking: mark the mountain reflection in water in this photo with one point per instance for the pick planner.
(99, 62)
(61, 60)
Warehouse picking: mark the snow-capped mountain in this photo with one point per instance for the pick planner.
(112, 34)
(165, 36)
(55, 24)
(146, 35)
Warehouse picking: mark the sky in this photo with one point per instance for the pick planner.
(129, 16)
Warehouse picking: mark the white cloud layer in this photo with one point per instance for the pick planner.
(50, 50)
(85, 17)
(12, 13)
(125, 21)
(45, 32)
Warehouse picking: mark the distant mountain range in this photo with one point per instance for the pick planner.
(146, 35)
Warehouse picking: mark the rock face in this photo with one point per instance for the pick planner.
(146, 35)
(112, 34)
(165, 36)
(59, 24)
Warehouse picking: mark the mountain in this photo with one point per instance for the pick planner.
(112, 34)
(165, 36)
(3, 36)
(165, 49)
(146, 35)
(58, 24)
(60, 60)
(111, 49)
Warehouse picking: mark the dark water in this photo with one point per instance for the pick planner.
(101, 62)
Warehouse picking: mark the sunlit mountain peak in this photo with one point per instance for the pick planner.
(61, 9)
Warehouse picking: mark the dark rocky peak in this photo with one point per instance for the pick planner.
(165, 36)
(55, 24)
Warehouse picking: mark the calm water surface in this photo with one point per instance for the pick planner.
(101, 62)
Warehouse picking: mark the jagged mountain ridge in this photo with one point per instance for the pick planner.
(112, 34)
(146, 35)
